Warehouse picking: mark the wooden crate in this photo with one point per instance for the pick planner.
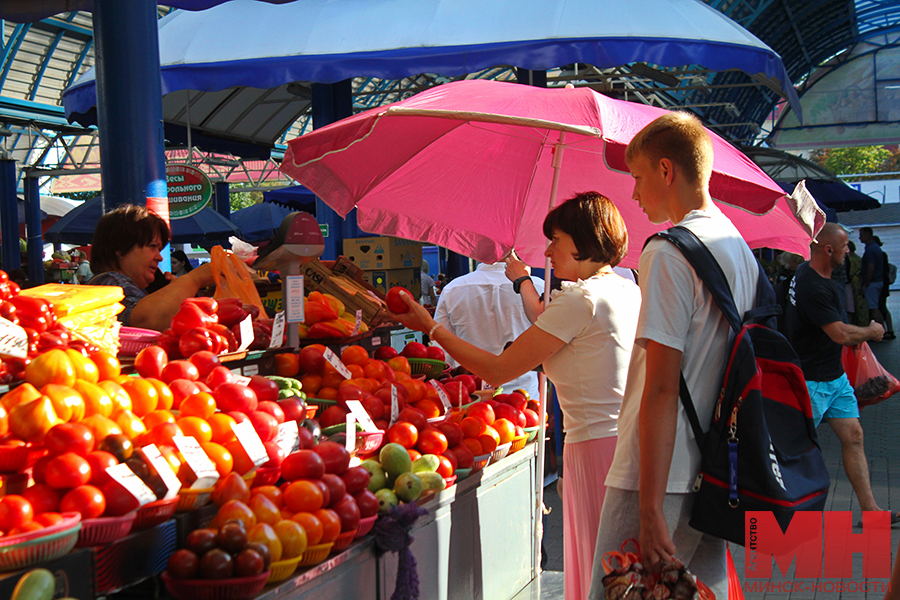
(318, 277)
(344, 266)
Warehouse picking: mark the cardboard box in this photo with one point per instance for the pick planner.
(316, 276)
(383, 253)
(383, 280)
(344, 267)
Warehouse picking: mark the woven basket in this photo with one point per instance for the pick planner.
(428, 367)
(134, 340)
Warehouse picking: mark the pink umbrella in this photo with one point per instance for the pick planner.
(470, 166)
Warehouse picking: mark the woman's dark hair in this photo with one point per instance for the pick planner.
(180, 255)
(120, 230)
(595, 225)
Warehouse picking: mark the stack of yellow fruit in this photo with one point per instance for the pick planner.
(88, 311)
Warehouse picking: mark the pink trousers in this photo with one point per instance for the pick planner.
(585, 465)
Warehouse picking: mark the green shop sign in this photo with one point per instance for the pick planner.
(190, 190)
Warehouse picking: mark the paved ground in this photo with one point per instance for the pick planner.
(879, 423)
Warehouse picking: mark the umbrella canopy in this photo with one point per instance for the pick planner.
(469, 166)
(259, 222)
(78, 225)
(295, 197)
(838, 196)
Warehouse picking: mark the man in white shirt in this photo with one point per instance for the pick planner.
(680, 330)
(482, 308)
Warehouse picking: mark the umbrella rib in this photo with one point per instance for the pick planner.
(461, 115)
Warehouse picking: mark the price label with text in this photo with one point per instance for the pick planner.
(395, 405)
(339, 366)
(249, 370)
(247, 335)
(162, 468)
(249, 440)
(357, 410)
(13, 340)
(441, 394)
(240, 379)
(288, 438)
(277, 331)
(358, 325)
(125, 477)
(350, 438)
(197, 461)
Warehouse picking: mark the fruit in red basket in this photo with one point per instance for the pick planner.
(265, 388)
(331, 524)
(118, 445)
(264, 534)
(385, 353)
(432, 441)
(216, 564)
(48, 519)
(86, 500)
(232, 537)
(99, 461)
(183, 564)
(15, 511)
(414, 350)
(335, 456)
(403, 433)
(355, 479)
(435, 353)
(394, 300)
(312, 361)
(248, 563)
(265, 425)
(336, 488)
(119, 501)
(201, 541)
(348, 512)
(42, 497)
(180, 369)
(66, 437)
(67, 470)
(303, 464)
(367, 503)
(150, 362)
(235, 397)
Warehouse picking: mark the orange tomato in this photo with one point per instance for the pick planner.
(242, 462)
(201, 404)
(143, 394)
(332, 379)
(473, 445)
(272, 492)
(287, 364)
(220, 423)
(292, 537)
(356, 371)
(118, 395)
(327, 393)
(311, 384)
(220, 456)
(431, 408)
(331, 524)
(161, 435)
(505, 429)
(403, 433)
(166, 397)
(157, 417)
(472, 427)
(415, 388)
(355, 355)
(311, 525)
(489, 440)
(303, 496)
(375, 369)
(196, 427)
(108, 365)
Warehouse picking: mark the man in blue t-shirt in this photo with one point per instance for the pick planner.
(816, 326)
(872, 273)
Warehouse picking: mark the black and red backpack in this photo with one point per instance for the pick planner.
(761, 452)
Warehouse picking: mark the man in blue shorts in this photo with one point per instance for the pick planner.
(872, 272)
(816, 326)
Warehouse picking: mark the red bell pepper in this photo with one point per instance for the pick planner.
(225, 332)
(208, 305)
(321, 330)
(33, 312)
(314, 312)
(196, 340)
(190, 316)
(231, 313)
(168, 341)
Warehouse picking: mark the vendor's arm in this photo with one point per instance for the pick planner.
(529, 350)
(657, 426)
(531, 299)
(849, 335)
(156, 310)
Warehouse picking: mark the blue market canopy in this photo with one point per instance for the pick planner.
(254, 91)
(837, 195)
(77, 227)
(295, 197)
(259, 221)
(27, 11)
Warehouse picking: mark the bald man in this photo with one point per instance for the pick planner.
(816, 327)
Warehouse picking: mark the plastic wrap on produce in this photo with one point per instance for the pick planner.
(97, 316)
(104, 335)
(74, 299)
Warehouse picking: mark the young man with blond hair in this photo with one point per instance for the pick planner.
(680, 331)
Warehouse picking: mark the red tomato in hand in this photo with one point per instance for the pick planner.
(394, 302)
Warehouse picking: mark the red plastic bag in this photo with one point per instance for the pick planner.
(626, 578)
(871, 382)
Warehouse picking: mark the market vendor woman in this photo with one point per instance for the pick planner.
(126, 252)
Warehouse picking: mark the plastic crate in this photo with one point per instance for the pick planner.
(321, 403)
(281, 570)
(38, 550)
(426, 366)
(343, 540)
(501, 452)
(365, 526)
(189, 499)
(14, 459)
(463, 473)
(103, 530)
(315, 554)
(311, 410)
(233, 588)
(154, 513)
(532, 433)
(134, 340)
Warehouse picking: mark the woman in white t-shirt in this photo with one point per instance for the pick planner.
(584, 340)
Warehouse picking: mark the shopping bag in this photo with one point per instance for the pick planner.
(871, 382)
(734, 582)
(627, 578)
(233, 280)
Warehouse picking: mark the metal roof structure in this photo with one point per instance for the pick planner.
(39, 60)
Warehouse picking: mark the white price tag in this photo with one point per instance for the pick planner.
(13, 340)
(246, 333)
(240, 379)
(441, 394)
(288, 438)
(251, 443)
(237, 371)
(197, 461)
(339, 366)
(358, 325)
(125, 477)
(251, 370)
(162, 468)
(357, 410)
(350, 442)
(293, 303)
(277, 331)
(395, 405)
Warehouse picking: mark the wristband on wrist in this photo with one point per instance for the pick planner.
(517, 284)
(432, 330)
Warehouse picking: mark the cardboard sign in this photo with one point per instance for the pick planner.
(197, 461)
(249, 440)
(288, 438)
(441, 394)
(247, 335)
(13, 340)
(358, 325)
(162, 468)
(357, 410)
(277, 331)
(339, 366)
(124, 476)
(395, 405)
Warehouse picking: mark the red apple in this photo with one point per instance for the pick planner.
(468, 381)
(312, 361)
(517, 401)
(531, 418)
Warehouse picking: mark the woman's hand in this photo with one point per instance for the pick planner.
(515, 268)
(418, 318)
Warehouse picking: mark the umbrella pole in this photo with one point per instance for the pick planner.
(542, 382)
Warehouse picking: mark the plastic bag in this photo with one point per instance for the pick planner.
(871, 382)
(233, 280)
(244, 251)
(627, 579)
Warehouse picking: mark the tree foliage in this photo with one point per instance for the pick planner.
(858, 159)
